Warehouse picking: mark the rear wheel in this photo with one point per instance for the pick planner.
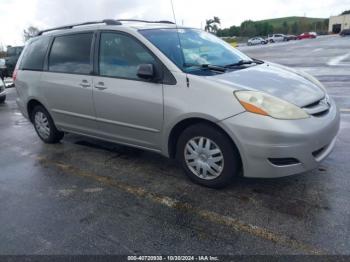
(44, 126)
(208, 156)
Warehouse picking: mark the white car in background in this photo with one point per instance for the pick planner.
(276, 38)
(257, 41)
(313, 33)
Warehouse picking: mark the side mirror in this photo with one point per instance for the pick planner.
(146, 71)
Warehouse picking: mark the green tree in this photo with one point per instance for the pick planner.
(234, 31)
(229, 32)
(295, 28)
(285, 27)
(345, 12)
(263, 28)
(303, 25)
(248, 28)
(325, 25)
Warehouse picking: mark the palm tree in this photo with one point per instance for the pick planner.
(211, 25)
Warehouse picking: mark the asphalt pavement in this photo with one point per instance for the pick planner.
(84, 196)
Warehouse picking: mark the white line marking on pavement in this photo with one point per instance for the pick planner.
(345, 110)
(338, 96)
(317, 49)
(336, 60)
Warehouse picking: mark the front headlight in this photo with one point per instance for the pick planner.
(267, 105)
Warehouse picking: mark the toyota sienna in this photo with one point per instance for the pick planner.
(181, 92)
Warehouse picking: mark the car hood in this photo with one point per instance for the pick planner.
(279, 81)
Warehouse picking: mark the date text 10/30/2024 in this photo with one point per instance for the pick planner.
(173, 258)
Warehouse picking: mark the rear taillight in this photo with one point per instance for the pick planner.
(14, 75)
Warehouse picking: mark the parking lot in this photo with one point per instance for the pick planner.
(85, 196)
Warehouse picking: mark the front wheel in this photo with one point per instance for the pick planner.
(44, 126)
(208, 156)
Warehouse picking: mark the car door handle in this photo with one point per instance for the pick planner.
(84, 83)
(100, 86)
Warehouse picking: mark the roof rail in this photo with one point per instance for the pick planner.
(105, 21)
(145, 21)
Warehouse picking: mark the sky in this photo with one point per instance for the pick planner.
(16, 15)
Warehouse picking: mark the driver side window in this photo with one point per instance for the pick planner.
(120, 56)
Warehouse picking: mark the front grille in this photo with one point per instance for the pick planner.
(322, 113)
(312, 104)
(284, 161)
(318, 108)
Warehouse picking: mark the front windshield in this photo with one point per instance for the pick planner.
(197, 48)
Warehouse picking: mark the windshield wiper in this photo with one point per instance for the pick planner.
(240, 63)
(257, 61)
(207, 66)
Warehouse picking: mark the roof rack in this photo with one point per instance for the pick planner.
(145, 21)
(105, 21)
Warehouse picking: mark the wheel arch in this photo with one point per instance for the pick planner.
(185, 123)
(32, 103)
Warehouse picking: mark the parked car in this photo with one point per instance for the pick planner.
(216, 110)
(291, 37)
(345, 32)
(257, 41)
(2, 91)
(12, 55)
(3, 68)
(276, 38)
(306, 36)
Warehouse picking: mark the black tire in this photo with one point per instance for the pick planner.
(54, 135)
(2, 99)
(231, 157)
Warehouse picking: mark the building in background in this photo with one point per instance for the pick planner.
(339, 23)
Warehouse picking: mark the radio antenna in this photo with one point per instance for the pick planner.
(172, 7)
(178, 37)
(177, 28)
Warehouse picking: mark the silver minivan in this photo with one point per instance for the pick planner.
(181, 92)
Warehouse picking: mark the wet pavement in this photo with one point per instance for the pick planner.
(85, 196)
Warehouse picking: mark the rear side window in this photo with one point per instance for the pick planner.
(34, 56)
(71, 54)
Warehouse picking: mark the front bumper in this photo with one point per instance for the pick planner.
(260, 139)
